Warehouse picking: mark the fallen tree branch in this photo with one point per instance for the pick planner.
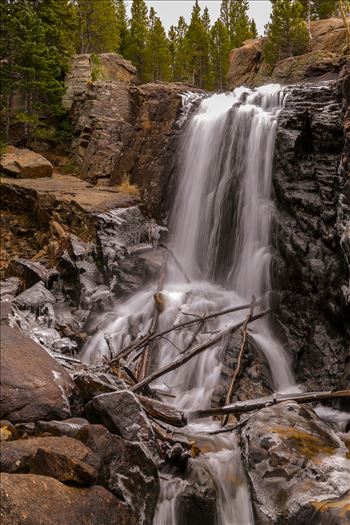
(192, 353)
(169, 438)
(237, 371)
(167, 413)
(177, 263)
(158, 305)
(179, 418)
(194, 336)
(262, 402)
(143, 340)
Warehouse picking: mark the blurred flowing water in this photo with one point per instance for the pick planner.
(221, 235)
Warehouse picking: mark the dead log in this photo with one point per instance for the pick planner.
(237, 371)
(167, 413)
(174, 416)
(262, 402)
(192, 353)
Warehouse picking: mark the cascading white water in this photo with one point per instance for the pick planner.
(223, 208)
(221, 234)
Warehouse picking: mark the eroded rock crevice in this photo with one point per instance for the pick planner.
(310, 271)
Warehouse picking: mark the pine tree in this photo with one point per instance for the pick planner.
(122, 27)
(177, 39)
(220, 50)
(241, 25)
(253, 29)
(286, 32)
(234, 16)
(196, 48)
(137, 51)
(36, 44)
(98, 31)
(158, 53)
(206, 68)
(324, 9)
(172, 51)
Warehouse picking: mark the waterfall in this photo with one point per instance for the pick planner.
(221, 235)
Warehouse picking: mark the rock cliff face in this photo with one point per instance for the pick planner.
(124, 133)
(86, 68)
(311, 233)
(324, 59)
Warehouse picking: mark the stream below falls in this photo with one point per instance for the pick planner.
(220, 233)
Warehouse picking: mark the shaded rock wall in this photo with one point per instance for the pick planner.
(310, 273)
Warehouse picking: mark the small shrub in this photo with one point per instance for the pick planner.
(126, 187)
(70, 167)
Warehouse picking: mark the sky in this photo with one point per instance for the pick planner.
(169, 11)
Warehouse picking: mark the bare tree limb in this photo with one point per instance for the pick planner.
(169, 414)
(177, 263)
(145, 359)
(237, 371)
(255, 404)
(143, 340)
(192, 353)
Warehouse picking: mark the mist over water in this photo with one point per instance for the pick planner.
(221, 235)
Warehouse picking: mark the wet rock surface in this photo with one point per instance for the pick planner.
(293, 460)
(122, 414)
(125, 470)
(197, 503)
(34, 385)
(309, 271)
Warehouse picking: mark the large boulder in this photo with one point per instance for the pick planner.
(292, 459)
(310, 65)
(125, 470)
(122, 414)
(328, 35)
(36, 296)
(63, 458)
(25, 164)
(196, 504)
(28, 499)
(34, 386)
(245, 62)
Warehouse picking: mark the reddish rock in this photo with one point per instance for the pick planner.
(33, 385)
(323, 59)
(19, 456)
(25, 164)
(27, 499)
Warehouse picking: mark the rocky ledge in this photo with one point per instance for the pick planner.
(324, 59)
